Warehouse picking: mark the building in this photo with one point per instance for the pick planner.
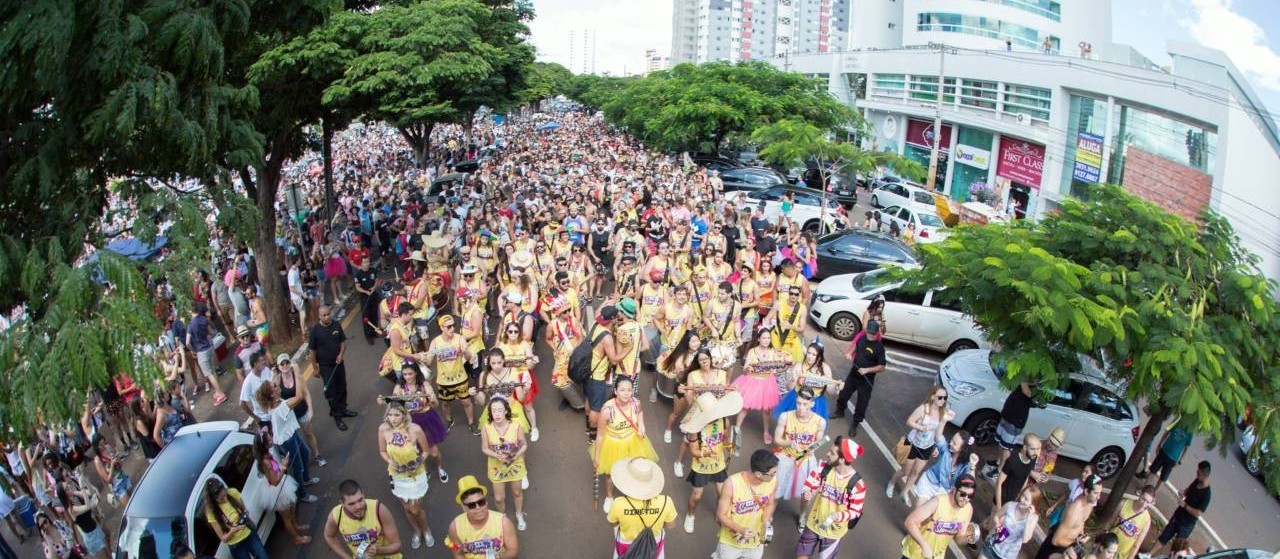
(995, 24)
(734, 30)
(1030, 128)
(654, 61)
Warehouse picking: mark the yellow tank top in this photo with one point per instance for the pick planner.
(516, 355)
(722, 317)
(475, 543)
(714, 377)
(702, 294)
(1130, 526)
(629, 338)
(357, 531)
(621, 423)
(713, 438)
(946, 522)
(746, 509)
(805, 433)
(784, 285)
(403, 451)
(421, 298)
(650, 301)
(677, 323)
(830, 499)
(474, 321)
(450, 357)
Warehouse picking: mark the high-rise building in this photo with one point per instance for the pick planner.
(1022, 25)
(654, 61)
(733, 30)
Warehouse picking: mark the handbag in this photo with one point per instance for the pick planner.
(901, 450)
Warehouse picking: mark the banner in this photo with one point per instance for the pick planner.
(973, 157)
(921, 134)
(1088, 167)
(1020, 161)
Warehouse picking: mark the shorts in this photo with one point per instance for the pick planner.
(205, 360)
(94, 542)
(121, 485)
(701, 480)
(1007, 435)
(311, 412)
(451, 392)
(989, 550)
(814, 546)
(298, 304)
(917, 453)
(726, 551)
(1175, 530)
(597, 392)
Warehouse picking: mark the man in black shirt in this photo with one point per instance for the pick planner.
(1015, 473)
(328, 345)
(1013, 418)
(868, 359)
(366, 281)
(1192, 504)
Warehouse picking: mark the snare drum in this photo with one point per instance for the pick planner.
(666, 380)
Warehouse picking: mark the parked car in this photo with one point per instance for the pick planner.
(806, 212)
(168, 504)
(1239, 554)
(750, 178)
(846, 194)
(904, 194)
(715, 162)
(929, 227)
(922, 319)
(1102, 427)
(860, 250)
(1258, 463)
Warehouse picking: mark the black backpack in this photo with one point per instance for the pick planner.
(853, 482)
(580, 360)
(645, 546)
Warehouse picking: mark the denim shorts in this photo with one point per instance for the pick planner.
(597, 393)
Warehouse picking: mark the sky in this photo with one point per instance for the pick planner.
(1247, 30)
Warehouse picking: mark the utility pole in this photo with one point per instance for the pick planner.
(932, 179)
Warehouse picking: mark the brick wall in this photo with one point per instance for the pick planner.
(1173, 186)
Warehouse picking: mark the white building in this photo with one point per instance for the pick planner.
(994, 24)
(654, 61)
(735, 30)
(1036, 128)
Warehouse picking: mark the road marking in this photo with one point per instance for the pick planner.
(1203, 522)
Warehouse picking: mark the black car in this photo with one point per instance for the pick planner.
(750, 178)
(860, 250)
(715, 162)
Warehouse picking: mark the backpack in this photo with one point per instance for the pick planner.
(579, 369)
(645, 546)
(853, 482)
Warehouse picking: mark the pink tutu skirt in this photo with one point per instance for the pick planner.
(335, 267)
(758, 393)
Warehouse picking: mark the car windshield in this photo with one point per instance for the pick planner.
(150, 538)
(930, 220)
(871, 281)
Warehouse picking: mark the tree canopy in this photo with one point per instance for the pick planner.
(699, 107)
(1178, 311)
(795, 143)
(546, 80)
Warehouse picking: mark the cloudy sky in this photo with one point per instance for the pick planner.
(625, 29)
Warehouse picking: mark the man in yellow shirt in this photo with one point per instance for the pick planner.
(745, 509)
(479, 531)
(642, 506)
(1133, 523)
(450, 354)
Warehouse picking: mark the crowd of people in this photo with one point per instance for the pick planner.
(625, 266)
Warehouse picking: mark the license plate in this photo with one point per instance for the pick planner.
(844, 192)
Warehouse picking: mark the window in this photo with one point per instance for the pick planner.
(925, 88)
(234, 469)
(1031, 101)
(1029, 38)
(903, 297)
(921, 197)
(1062, 396)
(943, 300)
(851, 244)
(979, 94)
(1103, 402)
(888, 85)
(766, 195)
(1044, 8)
(888, 252)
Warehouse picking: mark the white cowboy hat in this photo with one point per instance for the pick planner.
(707, 408)
(417, 256)
(640, 478)
(522, 259)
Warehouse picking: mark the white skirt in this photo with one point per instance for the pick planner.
(792, 475)
(409, 488)
(281, 497)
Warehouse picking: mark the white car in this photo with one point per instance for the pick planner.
(168, 504)
(921, 319)
(806, 212)
(903, 194)
(929, 227)
(1102, 427)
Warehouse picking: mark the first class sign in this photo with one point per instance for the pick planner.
(1020, 161)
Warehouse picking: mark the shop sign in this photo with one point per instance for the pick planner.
(1020, 161)
(1088, 166)
(973, 157)
(922, 135)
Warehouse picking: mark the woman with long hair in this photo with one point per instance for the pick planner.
(501, 380)
(701, 375)
(676, 363)
(167, 422)
(225, 511)
(281, 496)
(290, 386)
(954, 460)
(110, 469)
(503, 442)
(144, 423)
(422, 411)
(403, 446)
(758, 382)
(1013, 525)
(285, 431)
(814, 374)
(620, 434)
(925, 424)
(57, 541)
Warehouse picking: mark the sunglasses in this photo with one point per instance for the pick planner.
(475, 504)
(513, 331)
(964, 494)
(941, 398)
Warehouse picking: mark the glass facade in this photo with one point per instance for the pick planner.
(1086, 122)
(1025, 37)
(964, 174)
(1031, 101)
(1047, 9)
(1187, 144)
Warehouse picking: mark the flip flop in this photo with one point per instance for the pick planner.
(218, 400)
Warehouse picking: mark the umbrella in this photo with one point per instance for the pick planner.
(548, 126)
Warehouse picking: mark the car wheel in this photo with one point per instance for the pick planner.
(811, 227)
(844, 326)
(961, 344)
(1108, 461)
(1251, 465)
(982, 426)
(875, 202)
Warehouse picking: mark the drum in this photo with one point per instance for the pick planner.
(723, 354)
(666, 385)
(571, 393)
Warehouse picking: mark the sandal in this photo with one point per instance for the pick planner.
(768, 439)
(218, 400)
(302, 540)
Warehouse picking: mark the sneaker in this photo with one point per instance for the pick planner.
(312, 481)
(443, 475)
(416, 542)
(608, 504)
(247, 423)
(521, 525)
(320, 461)
(653, 396)
(533, 435)
(888, 491)
(666, 436)
(475, 430)
(688, 524)
(309, 498)
(524, 483)
(1141, 475)
(678, 468)
(429, 539)
(906, 497)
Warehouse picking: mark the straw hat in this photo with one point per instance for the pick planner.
(417, 256)
(522, 259)
(707, 408)
(434, 241)
(640, 478)
(468, 483)
(1058, 436)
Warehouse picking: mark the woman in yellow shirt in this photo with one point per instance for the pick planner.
(227, 515)
(503, 442)
(403, 445)
(620, 434)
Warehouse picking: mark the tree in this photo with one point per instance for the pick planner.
(1178, 311)
(796, 143)
(690, 108)
(546, 80)
(103, 102)
(595, 91)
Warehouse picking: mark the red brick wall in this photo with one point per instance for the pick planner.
(1173, 186)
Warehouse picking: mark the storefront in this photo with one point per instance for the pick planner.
(973, 162)
(919, 145)
(1019, 168)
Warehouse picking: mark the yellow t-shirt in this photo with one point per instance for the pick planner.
(746, 509)
(713, 439)
(632, 515)
(628, 337)
(946, 523)
(236, 524)
(450, 357)
(474, 543)
(1129, 528)
(357, 531)
(651, 297)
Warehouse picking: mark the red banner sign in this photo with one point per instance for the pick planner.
(921, 134)
(1020, 161)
